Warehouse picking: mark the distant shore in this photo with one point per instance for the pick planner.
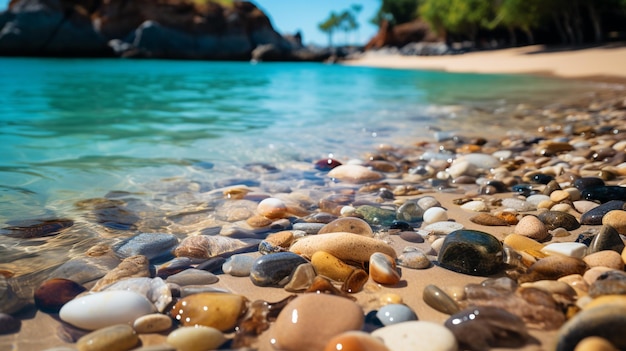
(603, 63)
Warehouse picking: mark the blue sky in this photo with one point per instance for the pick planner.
(288, 16)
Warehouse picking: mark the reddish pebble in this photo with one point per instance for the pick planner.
(326, 164)
(355, 341)
(54, 293)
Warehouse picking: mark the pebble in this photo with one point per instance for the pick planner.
(192, 276)
(302, 278)
(553, 268)
(594, 343)
(414, 259)
(275, 269)
(486, 327)
(152, 323)
(330, 266)
(616, 219)
(272, 208)
(537, 199)
(411, 236)
(210, 309)
(476, 206)
(605, 193)
(417, 335)
(443, 228)
(594, 215)
(607, 239)
(106, 308)
(347, 247)
(154, 289)
(439, 300)
(120, 337)
(585, 183)
(522, 243)
(488, 220)
(531, 227)
(571, 249)
(208, 246)
(198, 338)
(9, 324)
(151, 245)
(606, 258)
(518, 205)
(349, 225)
(327, 315)
(376, 215)
(395, 313)
(52, 294)
(130, 267)
(355, 341)
(354, 174)
(238, 265)
(610, 282)
(435, 214)
(558, 219)
(382, 269)
(471, 252)
(410, 211)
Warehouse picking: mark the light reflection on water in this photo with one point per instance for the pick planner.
(166, 131)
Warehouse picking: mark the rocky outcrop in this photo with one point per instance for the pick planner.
(401, 35)
(180, 29)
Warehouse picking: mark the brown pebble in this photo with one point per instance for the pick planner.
(595, 343)
(531, 227)
(616, 219)
(488, 220)
(606, 258)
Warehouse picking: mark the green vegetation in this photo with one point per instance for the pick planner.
(345, 21)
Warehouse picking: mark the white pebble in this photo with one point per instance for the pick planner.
(443, 228)
(417, 335)
(536, 199)
(571, 249)
(435, 214)
(272, 208)
(476, 206)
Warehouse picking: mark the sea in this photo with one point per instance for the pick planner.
(78, 129)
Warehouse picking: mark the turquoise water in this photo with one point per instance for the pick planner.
(75, 129)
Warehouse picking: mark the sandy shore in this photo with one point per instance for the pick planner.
(603, 62)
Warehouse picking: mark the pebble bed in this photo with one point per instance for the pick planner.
(457, 242)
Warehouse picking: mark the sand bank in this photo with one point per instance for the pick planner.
(589, 63)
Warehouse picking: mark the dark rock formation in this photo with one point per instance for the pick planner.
(401, 35)
(179, 29)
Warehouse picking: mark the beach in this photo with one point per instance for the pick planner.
(568, 132)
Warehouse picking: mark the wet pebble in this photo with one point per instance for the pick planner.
(275, 269)
(471, 252)
(210, 309)
(119, 337)
(435, 214)
(152, 323)
(130, 267)
(382, 269)
(532, 227)
(207, 246)
(558, 219)
(439, 300)
(107, 308)
(376, 215)
(192, 276)
(330, 266)
(411, 236)
(611, 282)
(238, 265)
(354, 174)
(588, 182)
(349, 225)
(93, 265)
(198, 338)
(488, 220)
(151, 245)
(443, 228)
(52, 294)
(605, 193)
(417, 335)
(326, 164)
(476, 206)
(9, 324)
(522, 243)
(154, 289)
(554, 267)
(347, 247)
(272, 208)
(328, 315)
(594, 216)
(355, 341)
(414, 259)
(302, 278)
(410, 211)
(395, 313)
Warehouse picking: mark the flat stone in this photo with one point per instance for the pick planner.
(571, 249)
(130, 267)
(192, 276)
(151, 245)
(119, 337)
(238, 265)
(325, 314)
(198, 338)
(348, 247)
(443, 228)
(354, 174)
(152, 323)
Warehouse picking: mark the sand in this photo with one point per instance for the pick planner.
(607, 62)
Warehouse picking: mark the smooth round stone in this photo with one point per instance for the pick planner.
(594, 216)
(52, 294)
(553, 268)
(151, 245)
(471, 252)
(155, 289)
(395, 313)
(583, 207)
(443, 228)
(518, 205)
(348, 225)
(310, 321)
(272, 208)
(482, 161)
(275, 269)
(131, 267)
(9, 324)
(476, 206)
(192, 276)
(607, 321)
(410, 211)
(106, 308)
(594, 273)
(152, 323)
(120, 337)
(462, 168)
(616, 219)
(522, 243)
(417, 335)
(414, 259)
(559, 195)
(208, 246)
(606, 258)
(427, 202)
(488, 220)
(347, 247)
(536, 199)
(376, 215)
(199, 338)
(210, 309)
(302, 278)
(531, 227)
(607, 239)
(605, 193)
(411, 236)
(355, 341)
(439, 300)
(326, 164)
(330, 266)
(595, 343)
(584, 183)
(558, 219)
(309, 228)
(382, 269)
(354, 174)
(571, 249)
(238, 265)
(612, 282)
(435, 214)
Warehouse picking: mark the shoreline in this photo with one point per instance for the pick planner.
(599, 64)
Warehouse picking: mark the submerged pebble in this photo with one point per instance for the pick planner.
(119, 337)
(275, 269)
(197, 338)
(211, 309)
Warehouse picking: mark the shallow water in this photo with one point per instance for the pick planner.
(121, 146)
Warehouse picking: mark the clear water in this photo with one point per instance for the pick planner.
(74, 129)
